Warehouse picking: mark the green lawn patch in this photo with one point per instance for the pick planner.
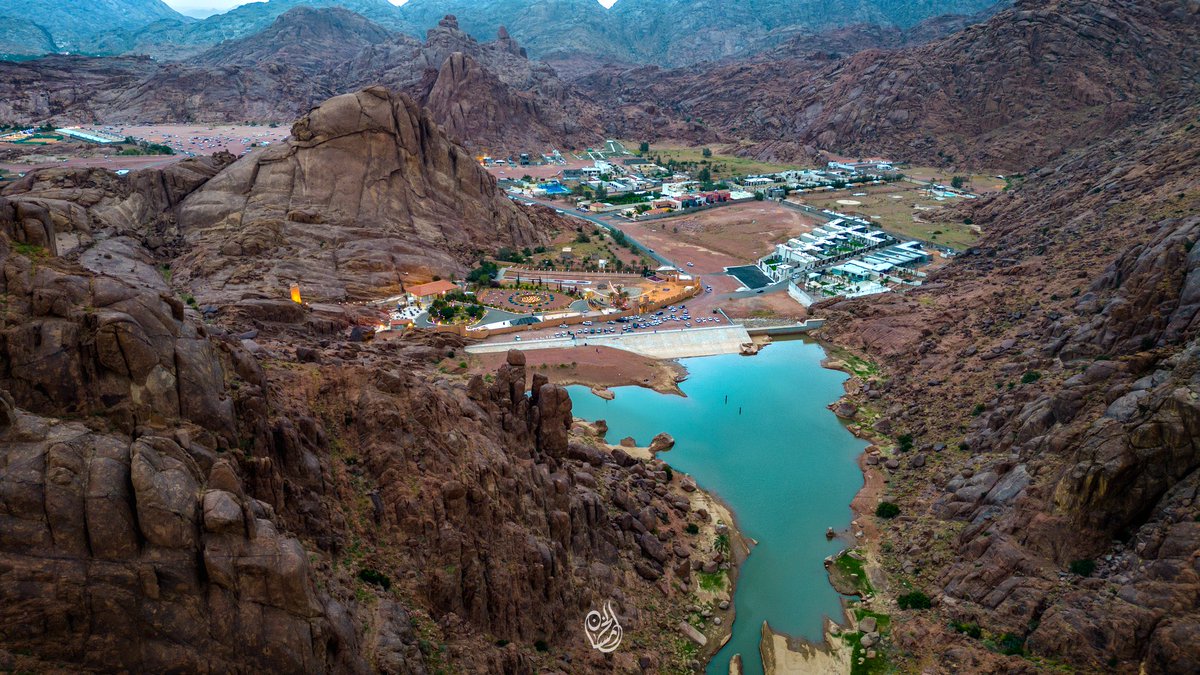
(714, 581)
(849, 575)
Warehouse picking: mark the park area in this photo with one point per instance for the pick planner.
(900, 208)
(582, 249)
(721, 165)
(522, 301)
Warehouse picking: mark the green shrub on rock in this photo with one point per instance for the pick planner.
(887, 510)
(914, 600)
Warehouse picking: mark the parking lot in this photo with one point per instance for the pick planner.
(675, 317)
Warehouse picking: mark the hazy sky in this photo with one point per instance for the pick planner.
(202, 8)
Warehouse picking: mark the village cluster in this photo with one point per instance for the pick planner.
(612, 192)
(603, 272)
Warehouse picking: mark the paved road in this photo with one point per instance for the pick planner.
(606, 223)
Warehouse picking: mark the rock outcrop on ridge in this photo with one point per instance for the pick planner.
(367, 188)
(488, 95)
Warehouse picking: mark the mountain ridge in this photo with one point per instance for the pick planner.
(678, 34)
(1006, 94)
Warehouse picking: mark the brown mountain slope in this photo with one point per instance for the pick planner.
(1056, 364)
(367, 187)
(305, 38)
(1010, 93)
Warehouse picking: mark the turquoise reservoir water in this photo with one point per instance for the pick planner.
(784, 464)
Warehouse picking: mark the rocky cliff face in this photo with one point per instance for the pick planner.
(1048, 382)
(1009, 94)
(244, 485)
(662, 32)
(168, 40)
(366, 189)
(694, 31)
(488, 95)
(304, 38)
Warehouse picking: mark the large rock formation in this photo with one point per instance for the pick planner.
(1031, 82)
(366, 189)
(303, 38)
(1065, 489)
(57, 27)
(488, 95)
(239, 486)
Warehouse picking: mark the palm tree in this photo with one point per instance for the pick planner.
(621, 297)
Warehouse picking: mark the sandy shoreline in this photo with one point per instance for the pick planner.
(596, 367)
(784, 655)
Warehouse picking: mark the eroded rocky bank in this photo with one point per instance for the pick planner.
(1034, 410)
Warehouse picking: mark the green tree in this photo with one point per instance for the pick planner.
(706, 152)
(914, 600)
(506, 253)
(1083, 568)
(887, 510)
(644, 147)
(958, 182)
(484, 274)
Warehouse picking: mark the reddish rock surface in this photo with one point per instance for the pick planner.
(1007, 94)
(366, 189)
(248, 484)
(1052, 372)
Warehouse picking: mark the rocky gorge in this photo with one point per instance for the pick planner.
(199, 474)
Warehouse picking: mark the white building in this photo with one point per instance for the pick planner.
(679, 188)
(90, 136)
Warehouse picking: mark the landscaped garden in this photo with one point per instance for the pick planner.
(452, 311)
(526, 301)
